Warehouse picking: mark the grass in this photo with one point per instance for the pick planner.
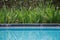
(41, 14)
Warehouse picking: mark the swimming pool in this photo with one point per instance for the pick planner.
(29, 33)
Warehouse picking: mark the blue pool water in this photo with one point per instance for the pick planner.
(29, 34)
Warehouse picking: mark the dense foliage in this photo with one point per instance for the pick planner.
(29, 11)
(19, 3)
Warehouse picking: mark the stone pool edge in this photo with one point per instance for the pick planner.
(30, 25)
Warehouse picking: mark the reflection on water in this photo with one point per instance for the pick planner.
(30, 35)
